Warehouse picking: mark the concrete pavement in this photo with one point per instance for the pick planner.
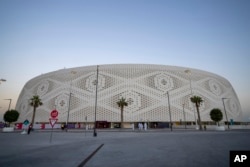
(125, 148)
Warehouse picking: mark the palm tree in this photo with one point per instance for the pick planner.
(197, 101)
(35, 101)
(122, 103)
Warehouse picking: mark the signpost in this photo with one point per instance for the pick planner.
(53, 120)
(86, 128)
(26, 123)
(54, 114)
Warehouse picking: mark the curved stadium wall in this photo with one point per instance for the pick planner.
(145, 87)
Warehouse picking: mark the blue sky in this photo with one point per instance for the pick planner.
(37, 37)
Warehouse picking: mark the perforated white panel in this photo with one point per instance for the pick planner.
(144, 86)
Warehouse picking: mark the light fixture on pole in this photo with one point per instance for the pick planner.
(70, 94)
(190, 83)
(2, 80)
(169, 112)
(184, 115)
(9, 103)
(225, 111)
(96, 88)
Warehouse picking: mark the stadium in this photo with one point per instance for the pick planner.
(156, 95)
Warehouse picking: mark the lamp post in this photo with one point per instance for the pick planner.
(86, 128)
(184, 116)
(169, 112)
(96, 88)
(9, 103)
(2, 80)
(225, 111)
(70, 94)
(190, 83)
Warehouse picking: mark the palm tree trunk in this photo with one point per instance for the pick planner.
(33, 116)
(199, 118)
(121, 117)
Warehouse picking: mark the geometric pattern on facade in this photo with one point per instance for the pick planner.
(145, 87)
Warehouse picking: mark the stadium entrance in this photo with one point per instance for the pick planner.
(102, 124)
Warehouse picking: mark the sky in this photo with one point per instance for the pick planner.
(41, 36)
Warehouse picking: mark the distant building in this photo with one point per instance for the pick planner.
(145, 88)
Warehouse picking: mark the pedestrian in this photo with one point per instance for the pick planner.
(205, 127)
(145, 126)
(139, 126)
(29, 129)
(62, 126)
(133, 126)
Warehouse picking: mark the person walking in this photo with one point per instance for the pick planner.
(133, 126)
(145, 126)
(29, 129)
(139, 126)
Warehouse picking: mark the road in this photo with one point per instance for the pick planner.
(125, 148)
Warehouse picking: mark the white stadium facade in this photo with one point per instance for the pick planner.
(156, 94)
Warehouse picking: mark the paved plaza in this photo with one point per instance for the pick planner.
(121, 148)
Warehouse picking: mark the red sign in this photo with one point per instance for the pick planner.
(19, 126)
(54, 113)
(42, 126)
(52, 122)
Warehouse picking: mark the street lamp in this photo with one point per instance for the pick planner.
(96, 88)
(190, 83)
(9, 103)
(70, 94)
(169, 111)
(225, 111)
(184, 116)
(2, 80)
